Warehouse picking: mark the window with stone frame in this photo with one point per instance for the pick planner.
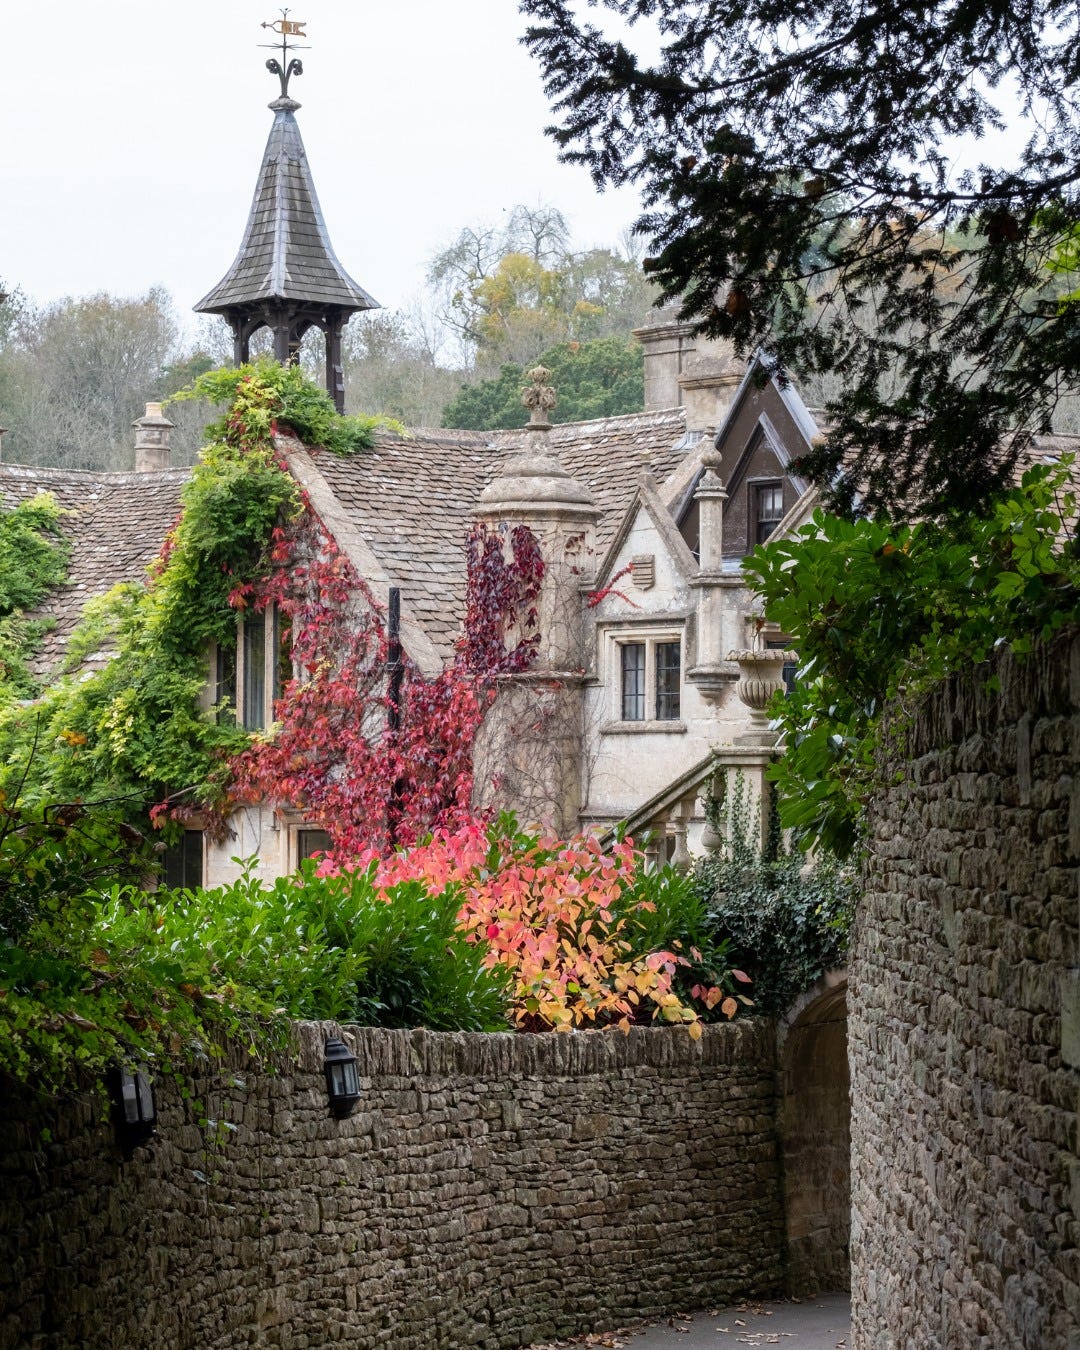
(768, 504)
(311, 842)
(182, 864)
(247, 678)
(649, 678)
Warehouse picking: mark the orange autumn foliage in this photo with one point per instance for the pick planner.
(566, 920)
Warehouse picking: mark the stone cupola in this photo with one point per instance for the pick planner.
(534, 489)
(533, 732)
(286, 276)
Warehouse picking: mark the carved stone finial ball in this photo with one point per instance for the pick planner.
(538, 395)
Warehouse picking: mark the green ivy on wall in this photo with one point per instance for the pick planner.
(136, 729)
(33, 559)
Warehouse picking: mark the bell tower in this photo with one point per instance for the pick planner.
(286, 276)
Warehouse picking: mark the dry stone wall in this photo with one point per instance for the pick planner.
(488, 1191)
(964, 1038)
(815, 1131)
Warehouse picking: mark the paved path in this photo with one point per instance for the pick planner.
(822, 1323)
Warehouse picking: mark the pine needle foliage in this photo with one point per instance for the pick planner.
(799, 164)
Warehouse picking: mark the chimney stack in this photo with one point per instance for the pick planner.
(686, 370)
(152, 440)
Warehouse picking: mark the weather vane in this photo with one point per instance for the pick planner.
(285, 68)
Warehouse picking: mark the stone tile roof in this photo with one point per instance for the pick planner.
(413, 498)
(286, 252)
(1044, 449)
(117, 527)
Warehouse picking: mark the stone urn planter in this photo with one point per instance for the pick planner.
(761, 675)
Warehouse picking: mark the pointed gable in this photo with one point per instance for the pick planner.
(646, 531)
(767, 429)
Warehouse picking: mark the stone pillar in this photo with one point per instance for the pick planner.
(712, 673)
(527, 756)
(152, 440)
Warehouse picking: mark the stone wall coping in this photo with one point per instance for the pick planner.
(1044, 683)
(422, 1053)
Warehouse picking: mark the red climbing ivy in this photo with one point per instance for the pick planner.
(500, 602)
(332, 752)
(247, 538)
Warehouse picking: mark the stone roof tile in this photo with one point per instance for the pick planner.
(413, 497)
(116, 528)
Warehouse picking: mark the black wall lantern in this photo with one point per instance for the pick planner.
(342, 1082)
(134, 1113)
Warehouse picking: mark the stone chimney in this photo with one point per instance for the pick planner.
(152, 440)
(686, 370)
(527, 757)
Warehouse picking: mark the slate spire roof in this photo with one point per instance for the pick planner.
(286, 252)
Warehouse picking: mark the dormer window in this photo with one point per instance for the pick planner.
(768, 509)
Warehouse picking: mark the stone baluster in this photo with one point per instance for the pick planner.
(711, 673)
(681, 860)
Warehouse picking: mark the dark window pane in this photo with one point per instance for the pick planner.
(667, 681)
(254, 709)
(310, 842)
(789, 673)
(184, 862)
(632, 655)
(225, 690)
(770, 509)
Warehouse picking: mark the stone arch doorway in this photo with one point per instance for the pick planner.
(815, 1137)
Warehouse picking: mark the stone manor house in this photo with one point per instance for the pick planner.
(647, 693)
(643, 520)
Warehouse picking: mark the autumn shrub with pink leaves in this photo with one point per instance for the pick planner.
(587, 936)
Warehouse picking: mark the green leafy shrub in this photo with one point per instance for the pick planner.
(51, 856)
(666, 910)
(881, 611)
(785, 919)
(96, 978)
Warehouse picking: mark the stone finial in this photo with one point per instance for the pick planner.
(532, 482)
(152, 440)
(711, 461)
(539, 397)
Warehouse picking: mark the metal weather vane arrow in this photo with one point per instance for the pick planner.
(286, 67)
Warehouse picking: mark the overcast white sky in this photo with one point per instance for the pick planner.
(132, 133)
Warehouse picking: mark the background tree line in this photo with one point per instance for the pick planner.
(75, 374)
